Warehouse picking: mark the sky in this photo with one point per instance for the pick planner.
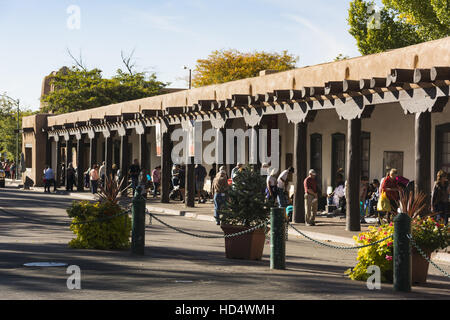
(166, 35)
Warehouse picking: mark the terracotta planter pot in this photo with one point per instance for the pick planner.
(248, 246)
(419, 266)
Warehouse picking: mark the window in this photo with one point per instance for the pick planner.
(28, 157)
(393, 160)
(442, 152)
(365, 154)
(316, 156)
(337, 156)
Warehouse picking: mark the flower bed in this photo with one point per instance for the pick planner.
(379, 254)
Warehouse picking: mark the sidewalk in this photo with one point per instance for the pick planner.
(327, 229)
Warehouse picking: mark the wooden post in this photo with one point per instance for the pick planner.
(166, 165)
(223, 132)
(93, 151)
(58, 163)
(108, 154)
(143, 151)
(300, 163)
(124, 159)
(48, 151)
(69, 157)
(353, 218)
(423, 155)
(80, 164)
(190, 183)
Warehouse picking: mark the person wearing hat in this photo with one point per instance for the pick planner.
(311, 198)
(281, 185)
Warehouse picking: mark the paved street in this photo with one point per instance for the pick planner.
(34, 228)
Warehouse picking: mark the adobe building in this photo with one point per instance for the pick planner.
(362, 115)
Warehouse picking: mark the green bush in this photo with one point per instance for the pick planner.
(111, 233)
(246, 202)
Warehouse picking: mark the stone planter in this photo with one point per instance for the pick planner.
(419, 266)
(248, 246)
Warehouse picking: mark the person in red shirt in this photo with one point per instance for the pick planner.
(311, 198)
(391, 187)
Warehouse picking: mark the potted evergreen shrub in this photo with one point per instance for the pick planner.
(246, 207)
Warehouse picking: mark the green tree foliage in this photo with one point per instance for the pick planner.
(8, 123)
(398, 24)
(228, 65)
(81, 89)
(246, 202)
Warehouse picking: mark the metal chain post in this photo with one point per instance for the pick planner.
(138, 223)
(402, 253)
(277, 238)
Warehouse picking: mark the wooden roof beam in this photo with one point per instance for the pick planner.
(334, 87)
(350, 85)
(281, 95)
(440, 73)
(400, 76)
(312, 91)
(241, 99)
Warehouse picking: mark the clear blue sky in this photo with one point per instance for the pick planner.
(166, 34)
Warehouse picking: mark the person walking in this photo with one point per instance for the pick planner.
(86, 178)
(156, 178)
(70, 177)
(439, 198)
(281, 187)
(49, 177)
(102, 173)
(63, 174)
(220, 187)
(391, 188)
(13, 171)
(200, 175)
(311, 198)
(134, 172)
(94, 175)
(271, 185)
(212, 174)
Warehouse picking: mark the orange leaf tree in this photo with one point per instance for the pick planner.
(228, 65)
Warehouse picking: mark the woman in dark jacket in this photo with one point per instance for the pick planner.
(439, 199)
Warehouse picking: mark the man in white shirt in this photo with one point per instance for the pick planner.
(281, 185)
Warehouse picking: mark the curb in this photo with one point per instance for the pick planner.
(437, 256)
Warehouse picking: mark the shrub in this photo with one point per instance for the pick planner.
(111, 233)
(246, 202)
(379, 254)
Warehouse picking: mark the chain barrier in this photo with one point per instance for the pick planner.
(339, 247)
(208, 237)
(423, 254)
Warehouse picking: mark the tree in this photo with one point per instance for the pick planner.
(78, 88)
(8, 125)
(228, 65)
(398, 24)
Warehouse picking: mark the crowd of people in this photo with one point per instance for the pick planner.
(10, 169)
(390, 187)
